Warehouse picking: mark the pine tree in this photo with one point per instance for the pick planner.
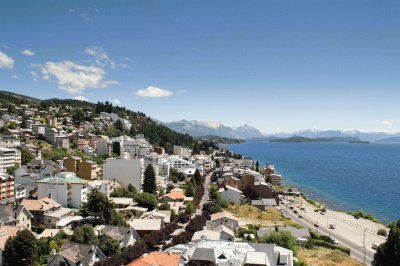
(149, 184)
(388, 253)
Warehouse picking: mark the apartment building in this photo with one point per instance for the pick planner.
(8, 158)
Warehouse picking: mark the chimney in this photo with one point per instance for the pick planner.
(77, 255)
(53, 252)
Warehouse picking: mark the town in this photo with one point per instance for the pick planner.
(81, 185)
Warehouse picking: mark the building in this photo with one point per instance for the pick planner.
(182, 152)
(125, 236)
(15, 215)
(208, 252)
(9, 141)
(39, 208)
(65, 188)
(157, 258)
(7, 186)
(145, 226)
(103, 145)
(263, 204)
(223, 218)
(231, 194)
(104, 186)
(61, 142)
(51, 219)
(74, 254)
(174, 196)
(9, 158)
(276, 180)
(125, 171)
(83, 169)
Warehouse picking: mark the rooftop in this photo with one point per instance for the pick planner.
(43, 204)
(157, 258)
(223, 214)
(145, 224)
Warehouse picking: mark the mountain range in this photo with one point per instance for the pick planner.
(208, 128)
(198, 128)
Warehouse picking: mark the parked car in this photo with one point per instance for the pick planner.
(335, 241)
(316, 225)
(332, 226)
(322, 213)
(300, 216)
(291, 207)
(295, 211)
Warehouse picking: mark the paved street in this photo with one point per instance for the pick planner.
(206, 195)
(346, 233)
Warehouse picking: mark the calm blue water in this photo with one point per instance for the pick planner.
(345, 176)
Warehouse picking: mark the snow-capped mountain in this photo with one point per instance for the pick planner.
(205, 128)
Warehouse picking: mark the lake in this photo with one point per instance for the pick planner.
(344, 176)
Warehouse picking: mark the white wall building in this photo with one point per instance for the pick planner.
(103, 145)
(124, 170)
(232, 194)
(65, 188)
(178, 163)
(9, 141)
(182, 152)
(8, 158)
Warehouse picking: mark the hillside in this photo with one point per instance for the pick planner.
(156, 133)
(389, 140)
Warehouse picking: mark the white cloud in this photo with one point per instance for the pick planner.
(116, 101)
(6, 61)
(34, 76)
(79, 14)
(80, 98)
(27, 52)
(152, 91)
(14, 77)
(100, 56)
(387, 122)
(74, 78)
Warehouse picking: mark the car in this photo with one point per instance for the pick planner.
(291, 207)
(332, 226)
(316, 225)
(295, 211)
(374, 246)
(300, 216)
(316, 210)
(302, 208)
(322, 213)
(335, 241)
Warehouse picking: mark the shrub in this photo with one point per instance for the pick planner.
(382, 232)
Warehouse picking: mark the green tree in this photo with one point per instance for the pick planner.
(78, 116)
(190, 208)
(149, 183)
(11, 170)
(257, 166)
(118, 125)
(85, 235)
(147, 200)
(197, 177)
(20, 250)
(116, 148)
(101, 208)
(388, 254)
(190, 190)
(281, 238)
(26, 156)
(110, 247)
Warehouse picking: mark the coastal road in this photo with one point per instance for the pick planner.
(356, 250)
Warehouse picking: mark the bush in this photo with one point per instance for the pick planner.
(382, 232)
(282, 238)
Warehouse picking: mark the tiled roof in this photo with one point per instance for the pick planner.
(40, 204)
(175, 195)
(6, 232)
(223, 214)
(157, 258)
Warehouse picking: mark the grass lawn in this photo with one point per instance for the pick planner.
(260, 217)
(320, 256)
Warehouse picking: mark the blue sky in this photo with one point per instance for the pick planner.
(276, 65)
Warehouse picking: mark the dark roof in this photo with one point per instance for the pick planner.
(78, 252)
(8, 213)
(119, 233)
(204, 254)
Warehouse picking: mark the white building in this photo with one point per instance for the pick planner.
(182, 152)
(65, 188)
(124, 170)
(9, 141)
(136, 147)
(231, 194)
(103, 145)
(8, 158)
(104, 186)
(178, 163)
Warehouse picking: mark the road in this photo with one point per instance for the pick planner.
(356, 250)
(206, 195)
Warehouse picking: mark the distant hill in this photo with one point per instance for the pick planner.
(299, 139)
(365, 136)
(220, 140)
(197, 128)
(11, 97)
(156, 133)
(389, 140)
